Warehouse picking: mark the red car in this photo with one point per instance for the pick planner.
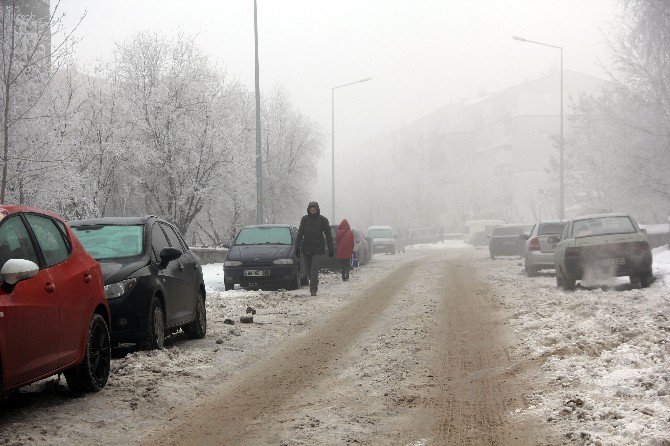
(53, 313)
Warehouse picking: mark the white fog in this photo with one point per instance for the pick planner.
(434, 222)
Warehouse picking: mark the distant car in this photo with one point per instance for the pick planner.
(53, 313)
(506, 241)
(153, 282)
(601, 246)
(476, 232)
(538, 252)
(383, 239)
(263, 256)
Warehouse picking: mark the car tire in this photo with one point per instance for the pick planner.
(568, 282)
(198, 328)
(294, 283)
(531, 271)
(493, 256)
(559, 279)
(156, 326)
(646, 279)
(228, 286)
(93, 372)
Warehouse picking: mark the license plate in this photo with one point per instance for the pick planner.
(611, 262)
(256, 272)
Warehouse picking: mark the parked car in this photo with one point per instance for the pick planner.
(383, 239)
(601, 246)
(475, 232)
(538, 253)
(506, 241)
(53, 313)
(361, 248)
(153, 282)
(263, 256)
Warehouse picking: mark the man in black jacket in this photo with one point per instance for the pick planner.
(309, 243)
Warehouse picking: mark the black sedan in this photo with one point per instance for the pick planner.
(505, 241)
(153, 282)
(263, 256)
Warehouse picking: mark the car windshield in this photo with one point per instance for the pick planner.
(513, 230)
(602, 226)
(111, 241)
(551, 228)
(264, 236)
(380, 233)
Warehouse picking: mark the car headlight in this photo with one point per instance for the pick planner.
(283, 262)
(119, 288)
(232, 263)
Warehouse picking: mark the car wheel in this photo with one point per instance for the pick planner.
(531, 271)
(568, 281)
(294, 282)
(156, 327)
(92, 374)
(646, 279)
(493, 256)
(228, 286)
(559, 279)
(198, 328)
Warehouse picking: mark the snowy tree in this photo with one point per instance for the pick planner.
(29, 62)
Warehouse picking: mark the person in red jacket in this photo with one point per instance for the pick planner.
(345, 247)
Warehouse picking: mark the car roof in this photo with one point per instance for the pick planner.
(120, 221)
(269, 226)
(12, 209)
(613, 214)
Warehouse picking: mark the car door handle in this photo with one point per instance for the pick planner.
(87, 277)
(50, 287)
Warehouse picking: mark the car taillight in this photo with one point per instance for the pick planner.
(534, 244)
(640, 247)
(571, 252)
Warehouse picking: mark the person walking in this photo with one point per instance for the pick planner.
(345, 247)
(309, 243)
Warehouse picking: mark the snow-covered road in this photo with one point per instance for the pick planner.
(591, 366)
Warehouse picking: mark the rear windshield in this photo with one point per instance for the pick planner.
(380, 233)
(264, 236)
(111, 241)
(513, 230)
(602, 226)
(551, 228)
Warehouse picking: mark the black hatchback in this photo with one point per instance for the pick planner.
(263, 256)
(153, 282)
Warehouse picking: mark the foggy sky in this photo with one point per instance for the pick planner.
(421, 54)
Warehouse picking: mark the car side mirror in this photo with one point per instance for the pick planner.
(523, 237)
(553, 239)
(644, 231)
(169, 254)
(15, 270)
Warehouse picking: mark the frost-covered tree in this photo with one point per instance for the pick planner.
(620, 153)
(30, 58)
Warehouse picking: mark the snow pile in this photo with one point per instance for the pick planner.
(604, 352)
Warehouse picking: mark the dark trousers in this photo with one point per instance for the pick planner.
(311, 271)
(345, 266)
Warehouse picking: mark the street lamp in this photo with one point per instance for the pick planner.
(332, 102)
(560, 141)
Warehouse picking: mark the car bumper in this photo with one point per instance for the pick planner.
(130, 315)
(277, 275)
(540, 260)
(383, 248)
(580, 269)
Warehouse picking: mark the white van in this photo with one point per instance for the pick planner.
(383, 239)
(476, 232)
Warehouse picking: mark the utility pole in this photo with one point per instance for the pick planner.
(259, 155)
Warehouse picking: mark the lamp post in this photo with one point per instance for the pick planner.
(560, 141)
(332, 102)
(259, 153)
